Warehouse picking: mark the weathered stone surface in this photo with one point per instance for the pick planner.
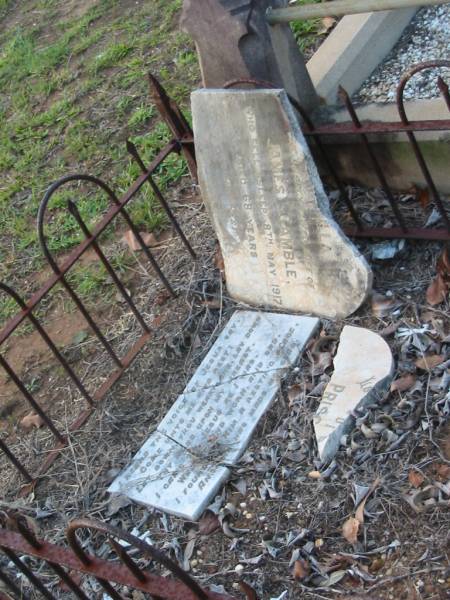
(280, 244)
(182, 465)
(234, 41)
(165, 475)
(363, 369)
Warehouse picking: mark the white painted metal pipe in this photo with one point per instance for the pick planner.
(340, 8)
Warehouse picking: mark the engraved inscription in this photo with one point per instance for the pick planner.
(183, 463)
(280, 244)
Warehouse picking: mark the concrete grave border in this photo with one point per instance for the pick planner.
(356, 46)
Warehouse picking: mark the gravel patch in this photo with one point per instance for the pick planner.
(426, 38)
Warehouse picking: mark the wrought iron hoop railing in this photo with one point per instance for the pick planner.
(127, 569)
(362, 130)
(183, 142)
(27, 309)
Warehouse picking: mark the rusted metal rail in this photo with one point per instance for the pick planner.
(74, 568)
(183, 142)
(27, 309)
(363, 131)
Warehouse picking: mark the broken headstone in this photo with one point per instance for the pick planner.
(281, 247)
(363, 369)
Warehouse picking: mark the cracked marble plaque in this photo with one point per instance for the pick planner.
(183, 464)
(282, 248)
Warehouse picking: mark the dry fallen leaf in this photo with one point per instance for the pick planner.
(116, 502)
(390, 329)
(442, 471)
(376, 564)
(437, 290)
(423, 197)
(294, 393)
(443, 263)
(208, 523)
(149, 239)
(213, 304)
(440, 286)
(382, 305)
(314, 475)
(219, 262)
(188, 552)
(218, 259)
(359, 514)
(162, 297)
(322, 361)
(31, 420)
(415, 478)
(428, 363)
(301, 569)
(350, 530)
(327, 24)
(403, 383)
(249, 592)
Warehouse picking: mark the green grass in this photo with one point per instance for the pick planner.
(111, 56)
(305, 32)
(74, 89)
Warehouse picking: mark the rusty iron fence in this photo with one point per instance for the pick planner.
(363, 131)
(34, 565)
(181, 143)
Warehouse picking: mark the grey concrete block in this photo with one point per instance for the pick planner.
(354, 49)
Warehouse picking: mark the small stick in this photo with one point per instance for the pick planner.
(400, 577)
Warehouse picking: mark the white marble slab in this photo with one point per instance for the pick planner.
(363, 369)
(281, 246)
(182, 464)
(164, 475)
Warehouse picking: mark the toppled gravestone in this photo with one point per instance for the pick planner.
(234, 41)
(281, 247)
(363, 369)
(184, 462)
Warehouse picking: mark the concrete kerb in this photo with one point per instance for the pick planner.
(356, 46)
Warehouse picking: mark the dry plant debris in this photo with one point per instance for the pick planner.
(374, 523)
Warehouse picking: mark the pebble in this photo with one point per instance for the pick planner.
(239, 569)
(426, 38)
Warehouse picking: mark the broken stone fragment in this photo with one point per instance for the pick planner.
(363, 370)
(185, 461)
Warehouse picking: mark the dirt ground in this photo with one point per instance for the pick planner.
(278, 523)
